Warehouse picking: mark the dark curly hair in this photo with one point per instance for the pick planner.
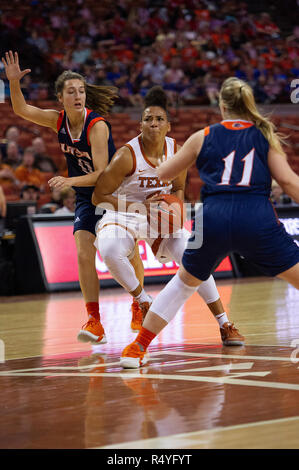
(156, 96)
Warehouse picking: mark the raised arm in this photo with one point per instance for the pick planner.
(43, 117)
(111, 178)
(183, 159)
(283, 174)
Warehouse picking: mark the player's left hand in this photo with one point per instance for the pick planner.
(59, 182)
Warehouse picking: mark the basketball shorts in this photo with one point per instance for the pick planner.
(248, 226)
(85, 216)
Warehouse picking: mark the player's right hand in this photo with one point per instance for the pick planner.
(12, 68)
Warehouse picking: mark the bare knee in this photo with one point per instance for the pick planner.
(291, 276)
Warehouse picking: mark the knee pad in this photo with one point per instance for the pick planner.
(208, 290)
(171, 298)
(114, 242)
(115, 245)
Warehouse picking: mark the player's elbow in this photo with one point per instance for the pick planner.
(20, 112)
(95, 199)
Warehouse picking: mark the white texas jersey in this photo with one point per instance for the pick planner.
(143, 181)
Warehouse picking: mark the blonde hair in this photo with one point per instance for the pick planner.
(237, 96)
(98, 98)
(66, 192)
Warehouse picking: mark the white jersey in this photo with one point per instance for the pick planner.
(143, 181)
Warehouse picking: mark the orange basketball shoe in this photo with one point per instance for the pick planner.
(137, 316)
(139, 310)
(230, 335)
(144, 307)
(92, 332)
(133, 356)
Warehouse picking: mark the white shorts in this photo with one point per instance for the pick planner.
(135, 224)
(166, 249)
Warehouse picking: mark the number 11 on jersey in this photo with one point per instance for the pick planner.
(228, 168)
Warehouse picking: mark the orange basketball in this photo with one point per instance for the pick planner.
(167, 215)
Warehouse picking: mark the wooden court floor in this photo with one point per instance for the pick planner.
(195, 393)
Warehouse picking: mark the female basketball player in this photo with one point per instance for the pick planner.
(236, 159)
(86, 140)
(132, 177)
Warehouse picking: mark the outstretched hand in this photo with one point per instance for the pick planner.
(12, 68)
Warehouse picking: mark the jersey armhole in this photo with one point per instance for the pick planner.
(134, 159)
(59, 120)
(175, 146)
(90, 125)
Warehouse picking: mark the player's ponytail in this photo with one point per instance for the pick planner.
(237, 96)
(98, 98)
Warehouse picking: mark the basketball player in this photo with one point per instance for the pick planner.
(132, 177)
(85, 139)
(236, 159)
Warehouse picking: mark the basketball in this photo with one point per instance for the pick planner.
(166, 215)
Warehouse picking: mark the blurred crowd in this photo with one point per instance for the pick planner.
(26, 171)
(188, 46)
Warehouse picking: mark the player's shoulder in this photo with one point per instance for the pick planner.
(135, 142)
(90, 114)
(124, 161)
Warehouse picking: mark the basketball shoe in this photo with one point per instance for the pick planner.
(230, 335)
(139, 310)
(137, 316)
(92, 331)
(133, 356)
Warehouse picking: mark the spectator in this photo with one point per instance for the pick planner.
(212, 88)
(30, 192)
(68, 197)
(12, 134)
(13, 156)
(43, 162)
(154, 69)
(26, 173)
(7, 175)
(54, 203)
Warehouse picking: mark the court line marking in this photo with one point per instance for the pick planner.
(169, 441)
(208, 345)
(228, 356)
(164, 352)
(188, 378)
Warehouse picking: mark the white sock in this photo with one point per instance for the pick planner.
(143, 297)
(222, 318)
